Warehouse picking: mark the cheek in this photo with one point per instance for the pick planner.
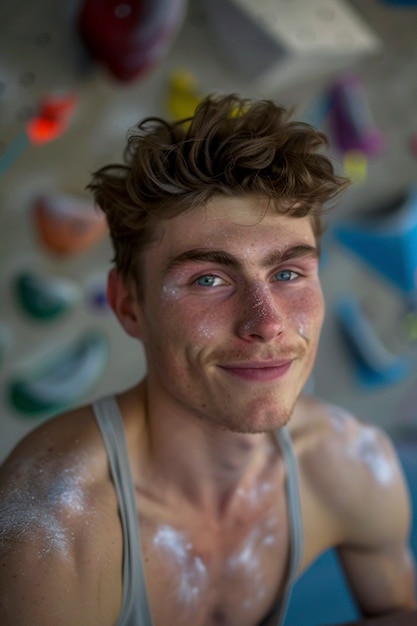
(308, 313)
(206, 328)
(185, 321)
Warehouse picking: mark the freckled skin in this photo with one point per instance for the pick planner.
(249, 316)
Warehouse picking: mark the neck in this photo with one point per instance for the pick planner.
(206, 463)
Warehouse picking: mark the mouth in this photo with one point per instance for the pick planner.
(259, 371)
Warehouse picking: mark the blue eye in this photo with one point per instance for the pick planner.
(286, 275)
(208, 280)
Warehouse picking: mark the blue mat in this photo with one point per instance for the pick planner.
(321, 595)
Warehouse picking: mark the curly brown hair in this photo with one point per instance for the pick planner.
(231, 146)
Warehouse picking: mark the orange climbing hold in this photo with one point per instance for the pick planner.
(52, 118)
(67, 224)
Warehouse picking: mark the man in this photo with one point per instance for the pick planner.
(237, 479)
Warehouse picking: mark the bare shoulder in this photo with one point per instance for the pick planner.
(56, 465)
(55, 500)
(353, 470)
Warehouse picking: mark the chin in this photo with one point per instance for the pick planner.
(267, 422)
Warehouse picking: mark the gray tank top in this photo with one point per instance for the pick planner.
(135, 609)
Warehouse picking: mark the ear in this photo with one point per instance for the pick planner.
(124, 303)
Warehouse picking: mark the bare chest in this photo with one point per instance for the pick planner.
(205, 576)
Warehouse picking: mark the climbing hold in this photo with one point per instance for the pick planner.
(183, 95)
(387, 241)
(355, 166)
(52, 119)
(68, 225)
(129, 38)
(45, 297)
(96, 292)
(350, 118)
(375, 365)
(61, 380)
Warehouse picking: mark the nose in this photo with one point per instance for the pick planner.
(259, 318)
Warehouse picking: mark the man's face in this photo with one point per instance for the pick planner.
(231, 313)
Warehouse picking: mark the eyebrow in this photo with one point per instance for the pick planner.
(221, 257)
(293, 252)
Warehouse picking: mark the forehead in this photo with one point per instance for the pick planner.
(232, 224)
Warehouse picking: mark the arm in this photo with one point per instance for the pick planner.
(381, 578)
(375, 555)
(407, 618)
(57, 564)
(45, 589)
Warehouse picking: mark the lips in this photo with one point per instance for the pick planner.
(259, 371)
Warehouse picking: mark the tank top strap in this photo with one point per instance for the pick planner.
(135, 609)
(295, 521)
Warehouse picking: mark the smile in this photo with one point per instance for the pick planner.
(259, 371)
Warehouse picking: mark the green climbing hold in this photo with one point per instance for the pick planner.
(45, 298)
(63, 379)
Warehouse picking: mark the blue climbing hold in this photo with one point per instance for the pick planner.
(374, 364)
(387, 242)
